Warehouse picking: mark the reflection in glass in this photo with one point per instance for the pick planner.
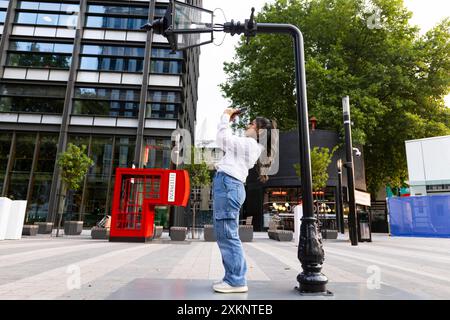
(164, 66)
(5, 146)
(159, 153)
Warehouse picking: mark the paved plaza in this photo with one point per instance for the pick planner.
(45, 267)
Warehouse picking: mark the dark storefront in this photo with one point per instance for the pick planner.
(283, 191)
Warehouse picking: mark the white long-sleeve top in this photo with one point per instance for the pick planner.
(241, 153)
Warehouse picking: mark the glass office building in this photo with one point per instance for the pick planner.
(83, 72)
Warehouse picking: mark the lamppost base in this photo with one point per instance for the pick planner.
(312, 283)
(326, 293)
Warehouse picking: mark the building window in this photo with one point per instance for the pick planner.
(3, 7)
(47, 13)
(40, 54)
(163, 104)
(32, 98)
(116, 17)
(106, 102)
(112, 58)
(157, 153)
(164, 61)
(5, 147)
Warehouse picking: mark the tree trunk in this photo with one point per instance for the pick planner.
(193, 220)
(61, 202)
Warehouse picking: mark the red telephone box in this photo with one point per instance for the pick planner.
(136, 193)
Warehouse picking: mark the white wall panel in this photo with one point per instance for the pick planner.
(15, 73)
(94, 34)
(105, 122)
(81, 121)
(48, 119)
(131, 78)
(164, 80)
(159, 38)
(38, 74)
(136, 36)
(436, 156)
(65, 33)
(30, 118)
(44, 32)
(1, 29)
(110, 77)
(8, 117)
(23, 31)
(160, 124)
(115, 35)
(86, 76)
(130, 123)
(59, 75)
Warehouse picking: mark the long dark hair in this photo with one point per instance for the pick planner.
(268, 137)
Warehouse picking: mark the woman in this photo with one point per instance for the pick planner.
(241, 154)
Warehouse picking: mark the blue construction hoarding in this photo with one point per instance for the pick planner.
(420, 216)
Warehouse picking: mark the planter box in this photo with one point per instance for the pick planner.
(281, 235)
(73, 228)
(100, 233)
(44, 227)
(284, 235)
(208, 233)
(158, 232)
(178, 233)
(272, 234)
(29, 230)
(246, 233)
(329, 234)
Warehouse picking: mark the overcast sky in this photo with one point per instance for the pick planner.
(211, 103)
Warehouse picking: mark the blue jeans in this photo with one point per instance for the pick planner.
(228, 197)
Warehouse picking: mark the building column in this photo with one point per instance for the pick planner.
(138, 158)
(65, 121)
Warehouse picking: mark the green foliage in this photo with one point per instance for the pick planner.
(396, 79)
(199, 172)
(320, 160)
(74, 165)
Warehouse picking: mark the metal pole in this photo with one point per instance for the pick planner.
(310, 249)
(340, 204)
(352, 224)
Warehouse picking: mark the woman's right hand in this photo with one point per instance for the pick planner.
(230, 111)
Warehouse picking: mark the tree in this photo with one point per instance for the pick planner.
(396, 79)
(73, 165)
(199, 174)
(320, 160)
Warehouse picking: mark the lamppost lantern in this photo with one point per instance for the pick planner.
(187, 26)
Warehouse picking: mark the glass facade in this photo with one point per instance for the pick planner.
(166, 62)
(106, 102)
(40, 54)
(3, 7)
(163, 104)
(38, 77)
(116, 17)
(47, 13)
(112, 58)
(32, 98)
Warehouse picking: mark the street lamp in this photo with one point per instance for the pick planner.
(352, 221)
(187, 26)
(339, 199)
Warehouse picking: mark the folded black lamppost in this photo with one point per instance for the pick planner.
(186, 26)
